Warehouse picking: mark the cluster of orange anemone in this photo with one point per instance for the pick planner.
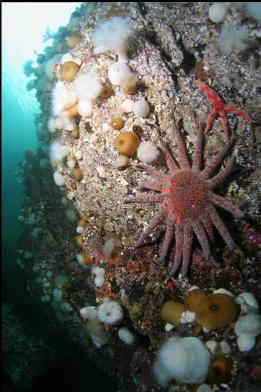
(212, 312)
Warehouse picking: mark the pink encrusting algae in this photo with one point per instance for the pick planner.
(187, 200)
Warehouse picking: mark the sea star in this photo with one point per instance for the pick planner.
(219, 108)
(187, 200)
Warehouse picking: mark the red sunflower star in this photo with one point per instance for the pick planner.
(219, 107)
(187, 200)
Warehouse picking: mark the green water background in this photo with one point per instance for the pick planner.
(19, 107)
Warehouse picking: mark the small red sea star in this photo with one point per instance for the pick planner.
(219, 108)
(187, 201)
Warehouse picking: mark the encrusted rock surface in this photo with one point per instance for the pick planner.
(173, 44)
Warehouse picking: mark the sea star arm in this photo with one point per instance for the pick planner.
(153, 172)
(202, 238)
(238, 112)
(207, 225)
(213, 164)
(221, 176)
(168, 158)
(223, 119)
(152, 185)
(217, 222)
(187, 244)
(211, 118)
(178, 249)
(152, 225)
(144, 199)
(219, 107)
(167, 240)
(197, 157)
(221, 202)
(212, 96)
(182, 152)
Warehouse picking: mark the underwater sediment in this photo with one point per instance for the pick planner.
(116, 83)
